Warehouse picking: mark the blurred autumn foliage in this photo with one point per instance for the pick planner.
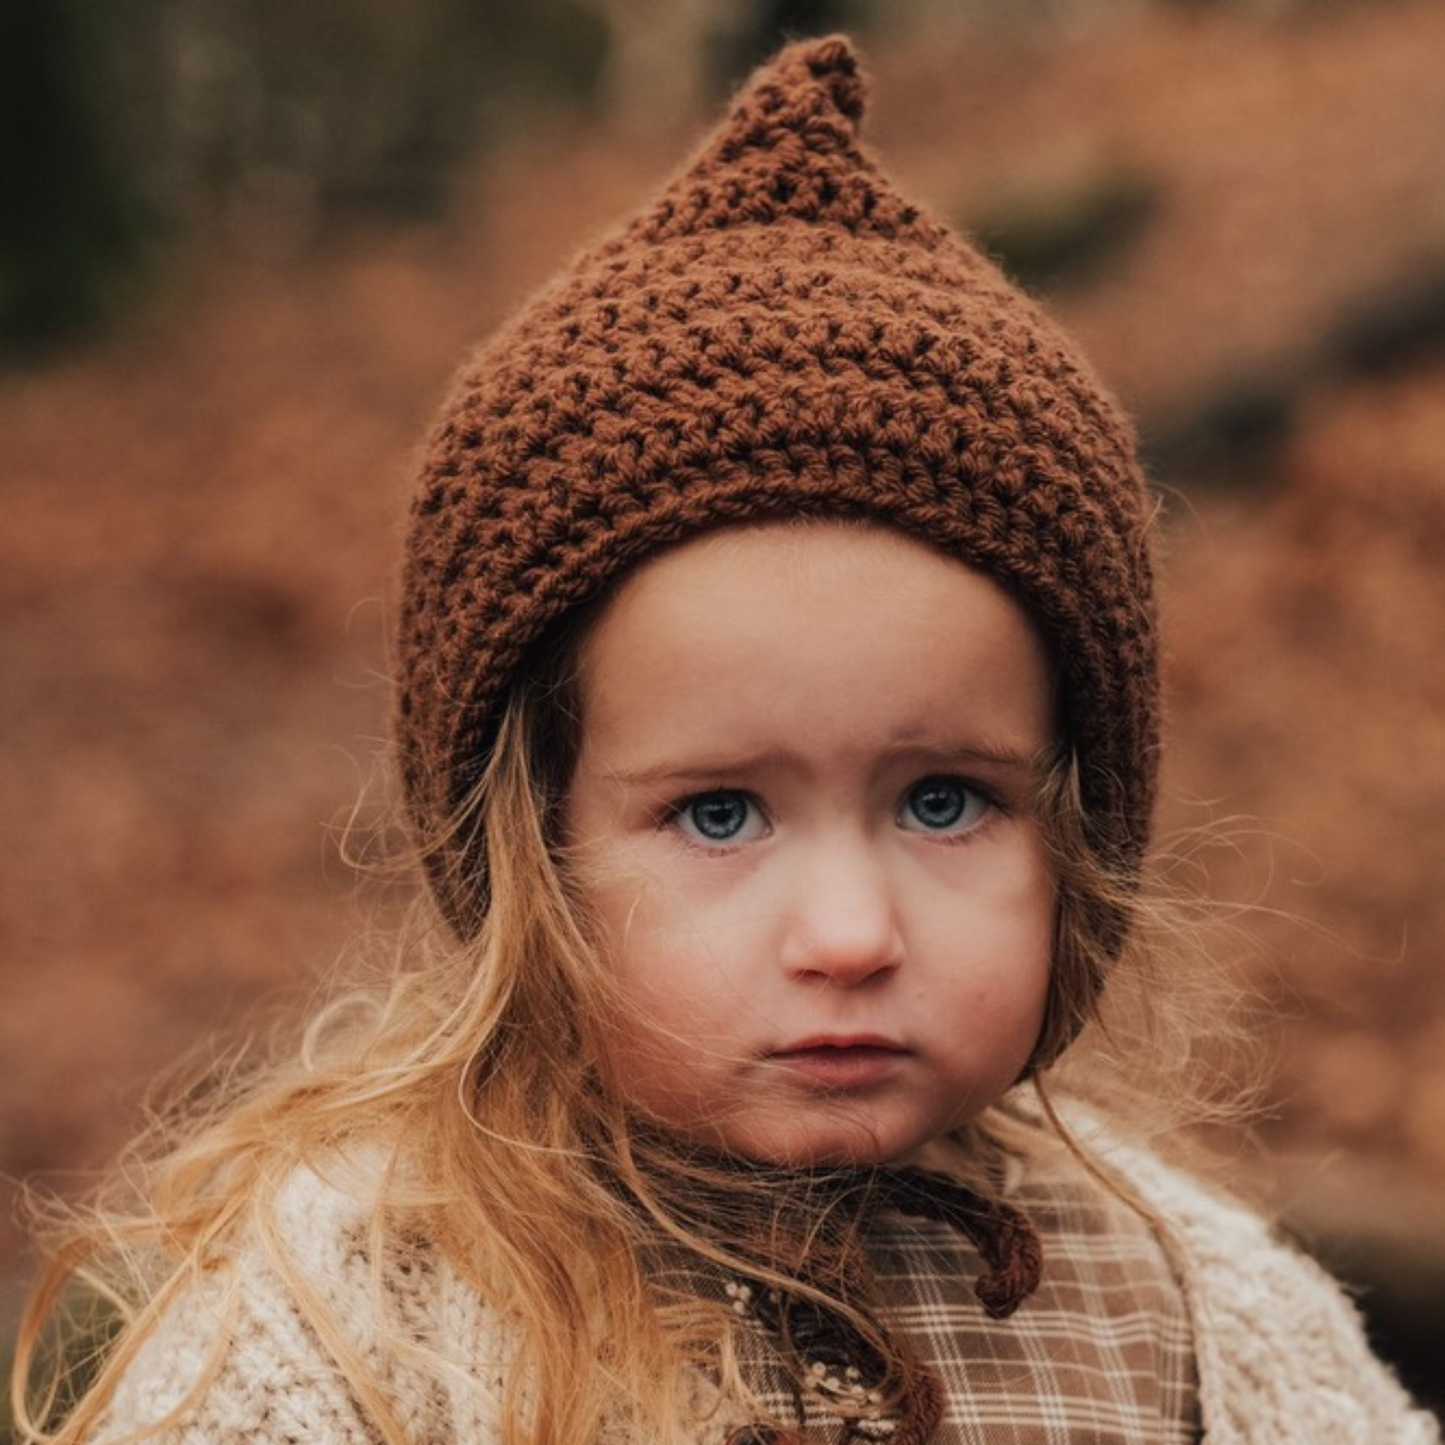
(1240, 208)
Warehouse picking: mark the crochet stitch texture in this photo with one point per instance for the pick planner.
(780, 335)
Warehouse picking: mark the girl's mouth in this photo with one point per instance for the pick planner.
(841, 1063)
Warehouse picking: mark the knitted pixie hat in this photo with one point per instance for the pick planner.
(780, 335)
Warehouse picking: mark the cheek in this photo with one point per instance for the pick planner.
(1036, 956)
(639, 933)
(612, 894)
(687, 977)
(615, 903)
(1004, 944)
(647, 904)
(1028, 995)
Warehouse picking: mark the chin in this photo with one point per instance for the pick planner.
(836, 1144)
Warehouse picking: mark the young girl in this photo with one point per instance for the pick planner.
(778, 721)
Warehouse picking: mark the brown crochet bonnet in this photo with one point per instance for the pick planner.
(780, 335)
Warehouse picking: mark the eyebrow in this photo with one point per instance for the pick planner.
(935, 756)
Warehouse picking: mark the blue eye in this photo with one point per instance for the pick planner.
(942, 805)
(723, 816)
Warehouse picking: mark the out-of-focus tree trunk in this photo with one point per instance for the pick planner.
(69, 212)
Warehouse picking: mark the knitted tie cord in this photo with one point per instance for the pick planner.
(781, 335)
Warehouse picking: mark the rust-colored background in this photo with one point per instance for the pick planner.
(200, 515)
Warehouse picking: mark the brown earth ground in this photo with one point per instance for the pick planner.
(202, 516)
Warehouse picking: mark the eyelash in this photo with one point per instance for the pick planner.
(985, 797)
(675, 814)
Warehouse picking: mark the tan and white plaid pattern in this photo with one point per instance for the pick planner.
(1102, 1353)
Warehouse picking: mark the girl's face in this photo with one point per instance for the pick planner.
(801, 818)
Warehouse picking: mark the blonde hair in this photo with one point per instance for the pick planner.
(479, 1079)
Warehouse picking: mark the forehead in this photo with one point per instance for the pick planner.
(826, 629)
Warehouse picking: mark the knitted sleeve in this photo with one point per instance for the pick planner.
(1281, 1351)
(230, 1364)
(238, 1361)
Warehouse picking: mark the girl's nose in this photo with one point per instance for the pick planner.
(843, 923)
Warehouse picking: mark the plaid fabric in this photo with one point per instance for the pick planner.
(1102, 1353)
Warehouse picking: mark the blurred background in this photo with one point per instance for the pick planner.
(243, 243)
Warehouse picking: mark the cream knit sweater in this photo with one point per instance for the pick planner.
(1281, 1356)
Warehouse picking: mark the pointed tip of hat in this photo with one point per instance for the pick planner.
(816, 76)
(787, 149)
